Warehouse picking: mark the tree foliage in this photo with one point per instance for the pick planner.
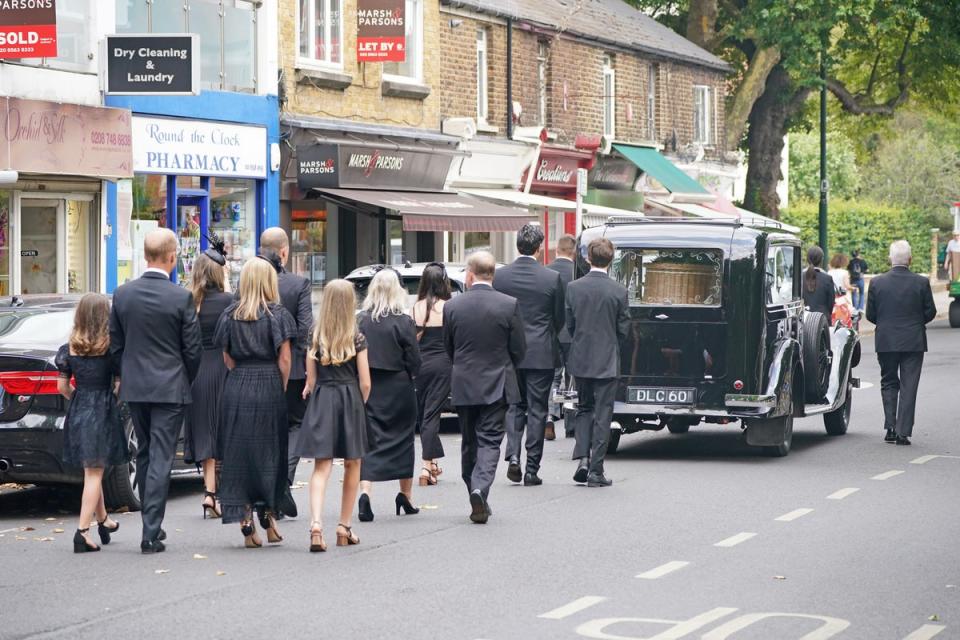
(842, 169)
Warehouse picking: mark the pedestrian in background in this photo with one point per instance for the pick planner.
(841, 276)
(93, 435)
(952, 260)
(819, 292)
(598, 318)
(900, 304)
(295, 296)
(394, 360)
(484, 337)
(433, 381)
(858, 268)
(335, 423)
(566, 251)
(202, 424)
(539, 295)
(255, 334)
(155, 335)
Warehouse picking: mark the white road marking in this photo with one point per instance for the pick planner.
(733, 541)
(829, 628)
(664, 569)
(571, 608)
(925, 632)
(842, 493)
(676, 628)
(793, 515)
(12, 530)
(926, 459)
(886, 475)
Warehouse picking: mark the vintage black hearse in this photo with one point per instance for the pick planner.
(719, 332)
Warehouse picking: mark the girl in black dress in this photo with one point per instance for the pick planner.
(433, 381)
(335, 423)
(254, 334)
(92, 433)
(392, 407)
(203, 414)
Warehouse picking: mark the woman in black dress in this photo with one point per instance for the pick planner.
(254, 334)
(93, 435)
(203, 414)
(392, 406)
(335, 422)
(819, 292)
(433, 381)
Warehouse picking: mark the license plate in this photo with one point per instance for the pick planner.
(661, 395)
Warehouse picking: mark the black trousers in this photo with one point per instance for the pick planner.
(899, 382)
(595, 398)
(157, 427)
(481, 428)
(296, 406)
(530, 414)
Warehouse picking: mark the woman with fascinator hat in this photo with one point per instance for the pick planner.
(208, 283)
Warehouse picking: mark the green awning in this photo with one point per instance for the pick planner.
(662, 170)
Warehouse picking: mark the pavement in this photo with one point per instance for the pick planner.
(699, 537)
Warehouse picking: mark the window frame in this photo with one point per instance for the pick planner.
(315, 63)
(609, 97)
(653, 73)
(417, 49)
(543, 54)
(483, 77)
(90, 65)
(717, 257)
(702, 115)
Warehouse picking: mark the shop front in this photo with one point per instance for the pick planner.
(59, 159)
(198, 177)
(613, 182)
(357, 194)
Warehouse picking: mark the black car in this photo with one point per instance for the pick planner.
(719, 332)
(32, 412)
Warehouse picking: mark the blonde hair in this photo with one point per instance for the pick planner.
(385, 296)
(206, 273)
(258, 288)
(336, 331)
(91, 326)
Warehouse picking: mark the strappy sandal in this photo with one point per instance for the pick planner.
(348, 538)
(269, 524)
(427, 479)
(210, 510)
(435, 469)
(250, 538)
(317, 543)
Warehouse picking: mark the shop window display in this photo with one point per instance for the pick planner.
(308, 244)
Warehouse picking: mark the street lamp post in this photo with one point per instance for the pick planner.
(824, 182)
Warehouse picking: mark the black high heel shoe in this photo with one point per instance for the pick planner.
(105, 531)
(403, 503)
(80, 544)
(210, 510)
(364, 510)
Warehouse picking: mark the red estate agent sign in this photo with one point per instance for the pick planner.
(28, 29)
(381, 31)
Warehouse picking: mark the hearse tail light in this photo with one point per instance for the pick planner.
(29, 383)
(738, 385)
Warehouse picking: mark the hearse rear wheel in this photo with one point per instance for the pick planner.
(781, 450)
(836, 422)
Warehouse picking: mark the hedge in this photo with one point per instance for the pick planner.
(867, 226)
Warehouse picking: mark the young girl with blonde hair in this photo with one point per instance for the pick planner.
(334, 425)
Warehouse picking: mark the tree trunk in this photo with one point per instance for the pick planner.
(769, 120)
(745, 96)
(702, 23)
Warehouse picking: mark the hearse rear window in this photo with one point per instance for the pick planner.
(670, 277)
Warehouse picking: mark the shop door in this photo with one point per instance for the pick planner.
(42, 225)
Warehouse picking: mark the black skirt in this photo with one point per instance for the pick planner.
(433, 394)
(391, 422)
(203, 413)
(335, 423)
(93, 434)
(252, 440)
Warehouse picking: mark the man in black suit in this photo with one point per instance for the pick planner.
(900, 303)
(566, 250)
(155, 335)
(539, 293)
(295, 296)
(598, 319)
(483, 335)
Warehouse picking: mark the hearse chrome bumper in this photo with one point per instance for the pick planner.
(749, 401)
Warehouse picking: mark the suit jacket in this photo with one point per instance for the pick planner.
(155, 335)
(564, 267)
(295, 298)
(539, 294)
(483, 335)
(391, 343)
(598, 318)
(823, 297)
(900, 303)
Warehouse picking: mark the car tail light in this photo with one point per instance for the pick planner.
(738, 385)
(29, 383)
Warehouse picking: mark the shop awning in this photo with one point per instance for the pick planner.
(594, 215)
(662, 170)
(439, 211)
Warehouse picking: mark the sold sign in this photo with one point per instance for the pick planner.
(28, 29)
